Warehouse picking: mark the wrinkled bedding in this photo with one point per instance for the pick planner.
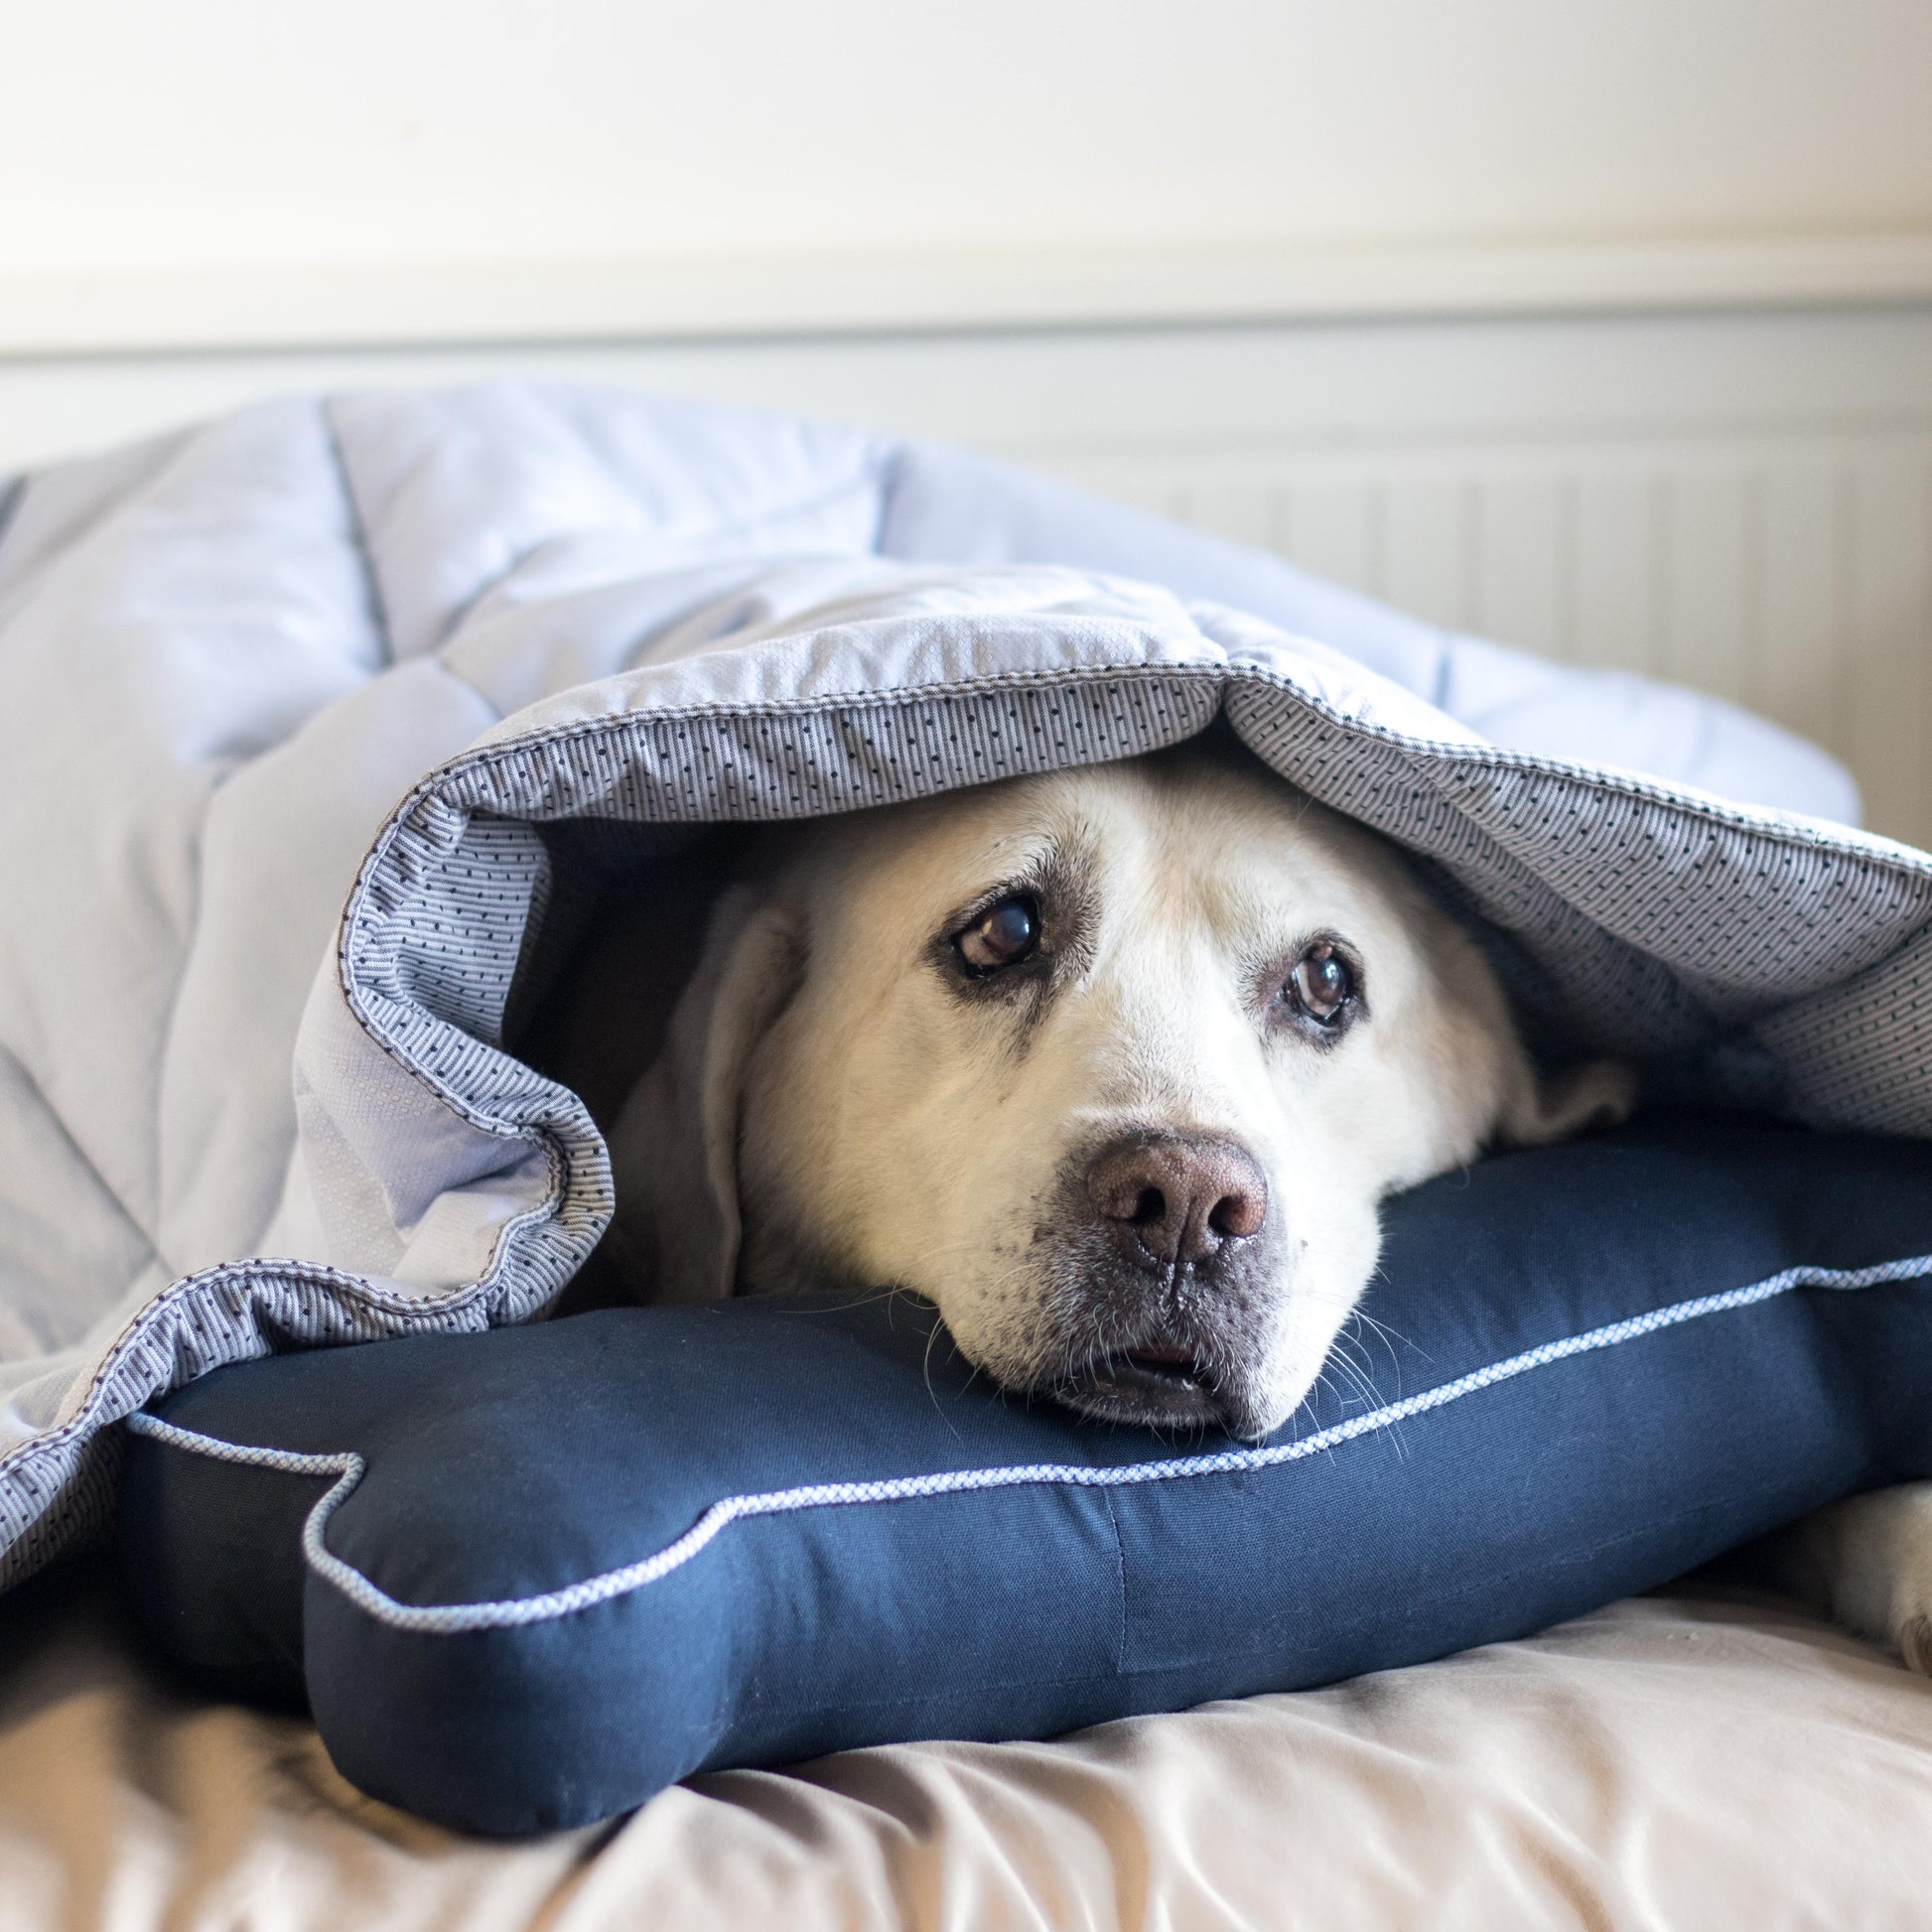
(1705, 1759)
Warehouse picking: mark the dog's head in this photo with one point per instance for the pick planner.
(1114, 1066)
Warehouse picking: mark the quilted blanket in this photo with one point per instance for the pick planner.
(292, 707)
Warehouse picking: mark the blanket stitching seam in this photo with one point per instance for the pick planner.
(359, 530)
(13, 492)
(1784, 828)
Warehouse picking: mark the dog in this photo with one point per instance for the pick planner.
(1113, 1066)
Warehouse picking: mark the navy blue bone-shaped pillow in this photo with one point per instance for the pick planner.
(526, 1579)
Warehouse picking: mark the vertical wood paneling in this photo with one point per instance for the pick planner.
(1331, 529)
(1890, 616)
(1793, 577)
(1524, 566)
(1430, 538)
(1241, 511)
(1796, 673)
(1613, 598)
(1710, 593)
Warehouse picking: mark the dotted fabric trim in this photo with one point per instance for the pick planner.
(444, 1620)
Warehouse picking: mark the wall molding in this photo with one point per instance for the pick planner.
(374, 304)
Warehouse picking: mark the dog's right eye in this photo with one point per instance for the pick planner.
(1001, 936)
(1324, 987)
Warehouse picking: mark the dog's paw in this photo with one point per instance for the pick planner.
(1888, 1568)
(1867, 1562)
(1915, 1643)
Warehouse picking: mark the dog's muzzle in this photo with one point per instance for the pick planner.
(1173, 1254)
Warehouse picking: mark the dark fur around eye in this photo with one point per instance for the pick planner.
(1021, 940)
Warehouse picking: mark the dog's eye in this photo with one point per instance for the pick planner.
(1322, 984)
(1001, 936)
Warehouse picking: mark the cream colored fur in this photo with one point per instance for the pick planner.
(832, 1107)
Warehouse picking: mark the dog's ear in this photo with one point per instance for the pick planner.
(674, 1147)
(1540, 1110)
(1532, 1108)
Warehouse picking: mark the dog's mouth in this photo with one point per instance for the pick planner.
(1156, 1384)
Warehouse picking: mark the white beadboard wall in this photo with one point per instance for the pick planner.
(1793, 575)
(1741, 499)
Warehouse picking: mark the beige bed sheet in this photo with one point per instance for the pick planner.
(1697, 1761)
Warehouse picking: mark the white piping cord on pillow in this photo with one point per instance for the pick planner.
(439, 1619)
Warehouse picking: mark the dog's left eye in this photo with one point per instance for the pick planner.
(1322, 984)
(1001, 936)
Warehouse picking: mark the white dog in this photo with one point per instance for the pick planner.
(1114, 1066)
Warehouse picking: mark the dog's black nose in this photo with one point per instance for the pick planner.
(1178, 1199)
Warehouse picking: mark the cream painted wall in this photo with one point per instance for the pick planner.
(231, 133)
